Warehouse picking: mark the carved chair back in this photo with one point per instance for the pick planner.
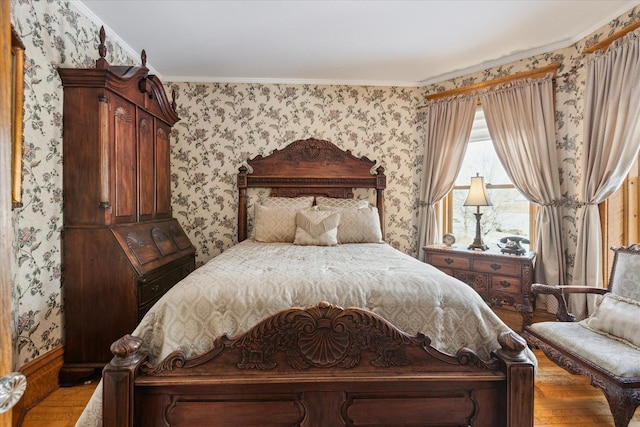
(625, 272)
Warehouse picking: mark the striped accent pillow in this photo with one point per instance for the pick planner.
(617, 317)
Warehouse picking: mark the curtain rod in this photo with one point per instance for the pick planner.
(462, 90)
(537, 72)
(604, 44)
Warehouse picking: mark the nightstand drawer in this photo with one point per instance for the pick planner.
(478, 281)
(508, 285)
(496, 267)
(450, 261)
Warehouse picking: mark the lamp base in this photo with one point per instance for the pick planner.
(477, 242)
(478, 246)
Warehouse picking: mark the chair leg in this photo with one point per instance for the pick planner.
(623, 404)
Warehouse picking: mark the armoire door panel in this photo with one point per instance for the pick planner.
(146, 167)
(163, 175)
(125, 161)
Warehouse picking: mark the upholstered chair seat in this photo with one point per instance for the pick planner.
(606, 345)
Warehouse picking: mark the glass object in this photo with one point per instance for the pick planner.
(12, 387)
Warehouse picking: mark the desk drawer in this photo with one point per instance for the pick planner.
(497, 267)
(450, 261)
(506, 285)
(151, 290)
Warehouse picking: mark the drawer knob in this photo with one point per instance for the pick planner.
(504, 284)
(155, 288)
(496, 266)
(448, 260)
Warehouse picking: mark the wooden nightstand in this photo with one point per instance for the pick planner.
(500, 279)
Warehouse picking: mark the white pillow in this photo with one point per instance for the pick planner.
(292, 203)
(272, 225)
(617, 317)
(358, 225)
(318, 228)
(331, 202)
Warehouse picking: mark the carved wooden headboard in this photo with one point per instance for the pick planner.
(309, 167)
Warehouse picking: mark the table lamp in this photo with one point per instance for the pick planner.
(477, 197)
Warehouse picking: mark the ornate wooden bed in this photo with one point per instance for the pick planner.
(322, 365)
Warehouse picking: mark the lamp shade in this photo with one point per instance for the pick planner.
(477, 193)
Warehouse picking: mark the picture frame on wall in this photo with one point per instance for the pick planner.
(17, 102)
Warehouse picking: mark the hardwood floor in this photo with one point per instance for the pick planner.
(561, 399)
(62, 408)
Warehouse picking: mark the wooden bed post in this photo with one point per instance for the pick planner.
(242, 204)
(520, 376)
(118, 381)
(381, 184)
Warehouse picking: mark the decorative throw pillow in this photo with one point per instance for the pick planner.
(617, 317)
(272, 225)
(331, 202)
(317, 228)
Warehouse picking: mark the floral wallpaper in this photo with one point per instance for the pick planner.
(221, 126)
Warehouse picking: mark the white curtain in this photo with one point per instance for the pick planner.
(611, 143)
(449, 123)
(521, 121)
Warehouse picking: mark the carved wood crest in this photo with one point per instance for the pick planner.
(312, 150)
(324, 336)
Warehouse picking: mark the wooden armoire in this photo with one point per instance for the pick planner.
(121, 248)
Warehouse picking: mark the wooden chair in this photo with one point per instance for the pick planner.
(606, 346)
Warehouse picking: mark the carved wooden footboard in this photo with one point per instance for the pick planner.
(322, 366)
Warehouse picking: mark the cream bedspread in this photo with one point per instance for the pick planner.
(251, 281)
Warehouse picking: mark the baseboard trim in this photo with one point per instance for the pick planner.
(42, 380)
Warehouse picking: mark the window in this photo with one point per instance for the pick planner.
(620, 218)
(511, 213)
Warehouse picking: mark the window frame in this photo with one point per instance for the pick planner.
(620, 218)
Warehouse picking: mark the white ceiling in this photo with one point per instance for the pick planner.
(383, 42)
